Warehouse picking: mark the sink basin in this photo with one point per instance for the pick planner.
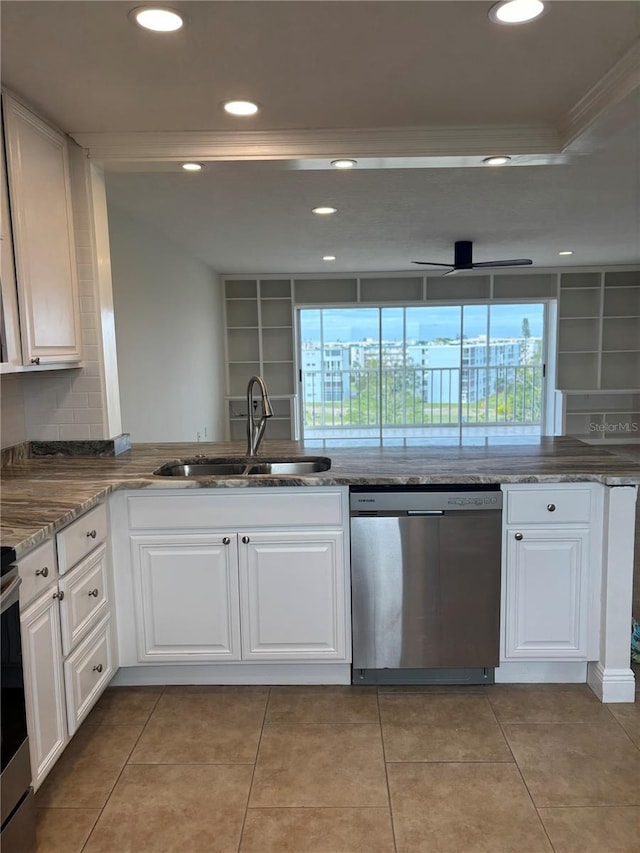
(243, 467)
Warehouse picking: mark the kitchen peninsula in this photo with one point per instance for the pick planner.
(42, 495)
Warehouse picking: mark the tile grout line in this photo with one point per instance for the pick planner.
(520, 773)
(126, 764)
(253, 772)
(386, 774)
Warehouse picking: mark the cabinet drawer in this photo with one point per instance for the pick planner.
(85, 595)
(87, 672)
(81, 537)
(38, 570)
(549, 506)
(272, 508)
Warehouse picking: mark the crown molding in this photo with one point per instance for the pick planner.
(608, 106)
(332, 143)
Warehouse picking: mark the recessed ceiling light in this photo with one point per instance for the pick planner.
(498, 160)
(328, 257)
(344, 164)
(516, 11)
(565, 253)
(192, 167)
(157, 18)
(324, 211)
(240, 108)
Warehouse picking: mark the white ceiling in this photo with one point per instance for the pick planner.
(419, 92)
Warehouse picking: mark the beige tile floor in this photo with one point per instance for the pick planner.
(502, 769)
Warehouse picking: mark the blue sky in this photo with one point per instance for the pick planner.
(423, 322)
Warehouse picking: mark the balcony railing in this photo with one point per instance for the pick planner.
(406, 398)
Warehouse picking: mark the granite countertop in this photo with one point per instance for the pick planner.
(41, 495)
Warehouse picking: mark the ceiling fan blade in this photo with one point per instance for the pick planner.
(432, 263)
(514, 262)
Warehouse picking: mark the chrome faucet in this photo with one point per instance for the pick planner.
(255, 431)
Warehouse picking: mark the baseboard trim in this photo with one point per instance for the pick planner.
(611, 685)
(286, 673)
(541, 672)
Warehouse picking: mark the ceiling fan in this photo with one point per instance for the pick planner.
(463, 260)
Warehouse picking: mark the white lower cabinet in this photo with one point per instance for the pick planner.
(551, 572)
(270, 584)
(44, 684)
(187, 597)
(68, 638)
(292, 596)
(547, 594)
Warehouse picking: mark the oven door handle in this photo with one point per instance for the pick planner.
(10, 593)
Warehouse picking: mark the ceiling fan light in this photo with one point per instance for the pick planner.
(157, 18)
(516, 11)
(497, 160)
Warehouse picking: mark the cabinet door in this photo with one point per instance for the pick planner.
(293, 596)
(40, 199)
(547, 594)
(187, 597)
(44, 687)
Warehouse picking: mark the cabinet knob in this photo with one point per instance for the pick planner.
(59, 595)
(35, 360)
(91, 534)
(518, 536)
(44, 572)
(225, 540)
(94, 592)
(246, 540)
(98, 668)
(551, 507)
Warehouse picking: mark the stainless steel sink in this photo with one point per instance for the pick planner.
(244, 467)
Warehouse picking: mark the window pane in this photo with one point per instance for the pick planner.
(421, 374)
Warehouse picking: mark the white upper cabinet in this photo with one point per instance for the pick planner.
(42, 224)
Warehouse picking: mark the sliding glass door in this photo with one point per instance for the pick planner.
(421, 374)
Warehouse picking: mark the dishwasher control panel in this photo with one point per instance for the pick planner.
(398, 500)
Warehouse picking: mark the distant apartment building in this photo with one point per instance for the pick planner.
(449, 372)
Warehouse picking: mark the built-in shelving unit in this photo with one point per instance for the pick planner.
(598, 343)
(599, 354)
(259, 340)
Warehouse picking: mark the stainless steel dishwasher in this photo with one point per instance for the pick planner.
(425, 567)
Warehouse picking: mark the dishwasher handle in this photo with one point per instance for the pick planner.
(425, 512)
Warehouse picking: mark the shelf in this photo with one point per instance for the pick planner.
(579, 280)
(621, 301)
(580, 303)
(275, 288)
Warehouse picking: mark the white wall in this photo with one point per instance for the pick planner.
(169, 332)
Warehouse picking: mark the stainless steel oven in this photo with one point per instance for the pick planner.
(16, 794)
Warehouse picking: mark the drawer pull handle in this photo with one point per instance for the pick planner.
(44, 572)
(92, 534)
(98, 668)
(246, 540)
(59, 595)
(95, 592)
(225, 540)
(551, 507)
(35, 360)
(518, 536)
